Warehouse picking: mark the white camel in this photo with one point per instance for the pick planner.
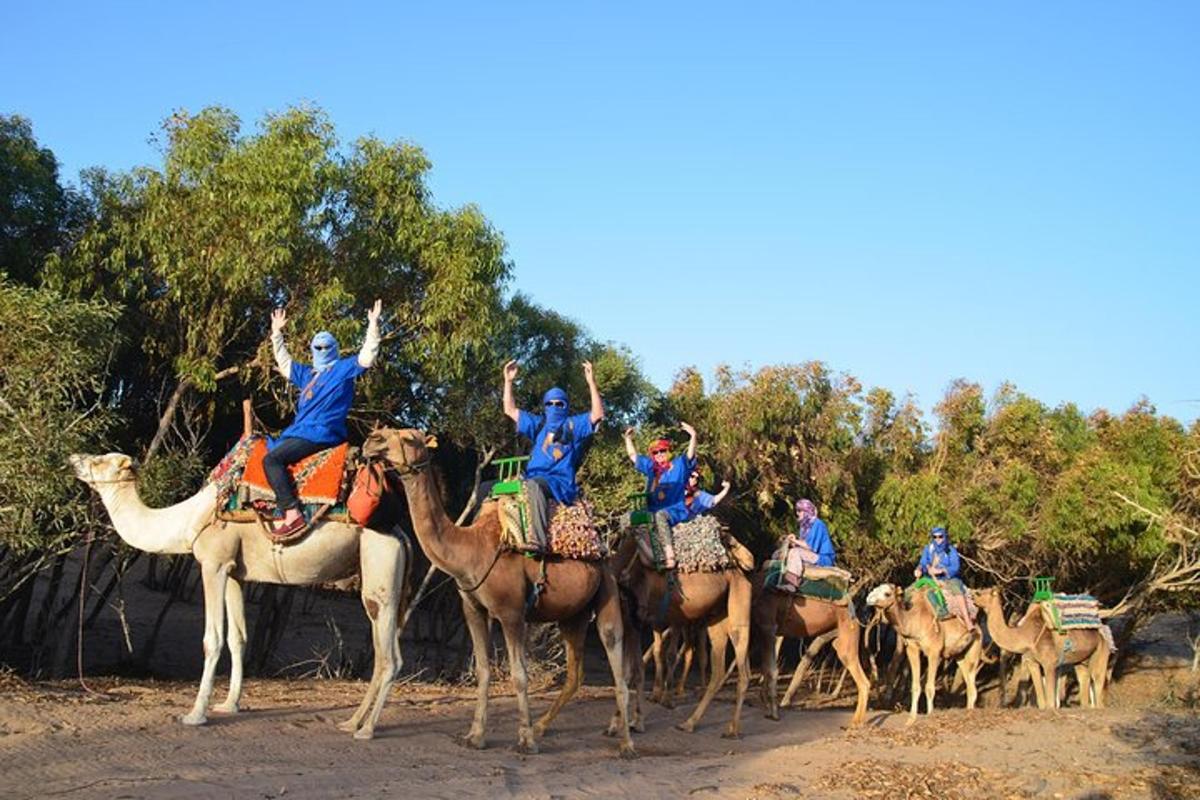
(232, 552)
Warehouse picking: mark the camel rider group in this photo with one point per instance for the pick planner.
(560, 441)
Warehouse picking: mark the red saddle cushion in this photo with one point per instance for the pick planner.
(319, 478)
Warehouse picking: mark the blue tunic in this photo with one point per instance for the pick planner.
(325, 400)
(947, 559)
(667, 490)
(701, 501)
(819, 542)
(557, 452)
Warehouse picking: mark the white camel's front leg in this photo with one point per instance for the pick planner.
(235, 615)
(383, 571)
(214, 576)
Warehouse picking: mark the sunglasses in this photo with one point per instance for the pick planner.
(322, 346)
(556, 403)
(659, 452)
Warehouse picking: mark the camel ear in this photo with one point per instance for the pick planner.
(124, 462)
(431, 441)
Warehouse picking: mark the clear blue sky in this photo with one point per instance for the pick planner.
(911, 192)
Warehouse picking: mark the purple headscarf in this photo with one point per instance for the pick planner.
(808, 514)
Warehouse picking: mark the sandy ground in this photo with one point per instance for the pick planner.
(56, 741)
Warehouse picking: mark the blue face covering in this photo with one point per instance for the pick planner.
(555, 415)
(323, 359)
(944, 544)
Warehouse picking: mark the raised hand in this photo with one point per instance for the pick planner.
(587, 372)
(376, 310)
(724, 486)
(688, 429)
(510, 370)
(629, 433)
(278, 320)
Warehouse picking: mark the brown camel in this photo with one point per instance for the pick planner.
(797, 616)
(495, 583)
(920, 632)
(1044, 651)
(721, 600)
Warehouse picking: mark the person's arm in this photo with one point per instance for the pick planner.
(823, 544)
(691, 449)
(370, 348)
(510, 406)
(597, 412)
(923, 564)
(951, 563)
(283, 359)
(630, 450)
(719, 496)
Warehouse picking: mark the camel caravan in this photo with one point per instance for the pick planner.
(303, 509)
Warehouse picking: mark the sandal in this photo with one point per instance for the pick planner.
(289, 528)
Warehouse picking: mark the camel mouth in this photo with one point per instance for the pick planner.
(374, 446)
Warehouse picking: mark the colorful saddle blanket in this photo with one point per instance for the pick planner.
(573, 534)
(1068, 611)
(833, 589)
(699, 546)
(321, 479)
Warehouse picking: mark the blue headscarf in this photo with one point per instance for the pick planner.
(325, 358)
(945, 544)
(555, 415)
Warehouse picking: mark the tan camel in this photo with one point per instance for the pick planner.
(800, 617)
(1044, 651)
(678, 646)
(920, 632)
(720, 600)
(494, 582)
(230, 553)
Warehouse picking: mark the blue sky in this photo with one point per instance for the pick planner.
(911, 192)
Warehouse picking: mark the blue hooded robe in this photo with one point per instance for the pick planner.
(559, 445)
(946, 555)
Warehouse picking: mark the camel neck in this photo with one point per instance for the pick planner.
(900, 619)
(449, 547)
(157, 530)
(1005, 636)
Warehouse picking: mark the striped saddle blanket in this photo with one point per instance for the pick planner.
(1067, 611)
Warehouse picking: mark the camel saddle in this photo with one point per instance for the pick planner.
(832, 588)
(322, 481)
(572, 532)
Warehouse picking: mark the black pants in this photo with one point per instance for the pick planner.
(287, 451)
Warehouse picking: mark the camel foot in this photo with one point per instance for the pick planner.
(349, 726)
(193, 718)
(539, 730)
(731, 733)
(772, 714)
(627, 751)
(226, 708)
(364, 733)
(527, 746)
(473, 740)
(912, 720)
(687, 726)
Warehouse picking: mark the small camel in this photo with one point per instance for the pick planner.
(920, 632)
(720, 600)
(494, 582)
(1044, 651)
(798, 617)
(230, 553)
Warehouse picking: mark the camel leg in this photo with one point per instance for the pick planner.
(514, 640)
(214, 576)
(1034, 671)
(611, 625)
(235, 616)
(574, 632)
(635, 671)
(846, 646)
(658, 694)
(1050, 682)
(383, 568)
(717, 639)
(968, 666)
(479, 627)
(933, 662)
(688, 653)
(739, 636)
(1098, 666)
(913, 653)
(701, 648)
(892, 673)
(1084, 679)
(767, 654)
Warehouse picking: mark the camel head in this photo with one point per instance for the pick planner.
(883, 596)
(405, 449)
(986, 596)
(108, 468)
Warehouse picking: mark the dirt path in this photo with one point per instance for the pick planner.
(58, 742)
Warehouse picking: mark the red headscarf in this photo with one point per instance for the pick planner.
(658, 446)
